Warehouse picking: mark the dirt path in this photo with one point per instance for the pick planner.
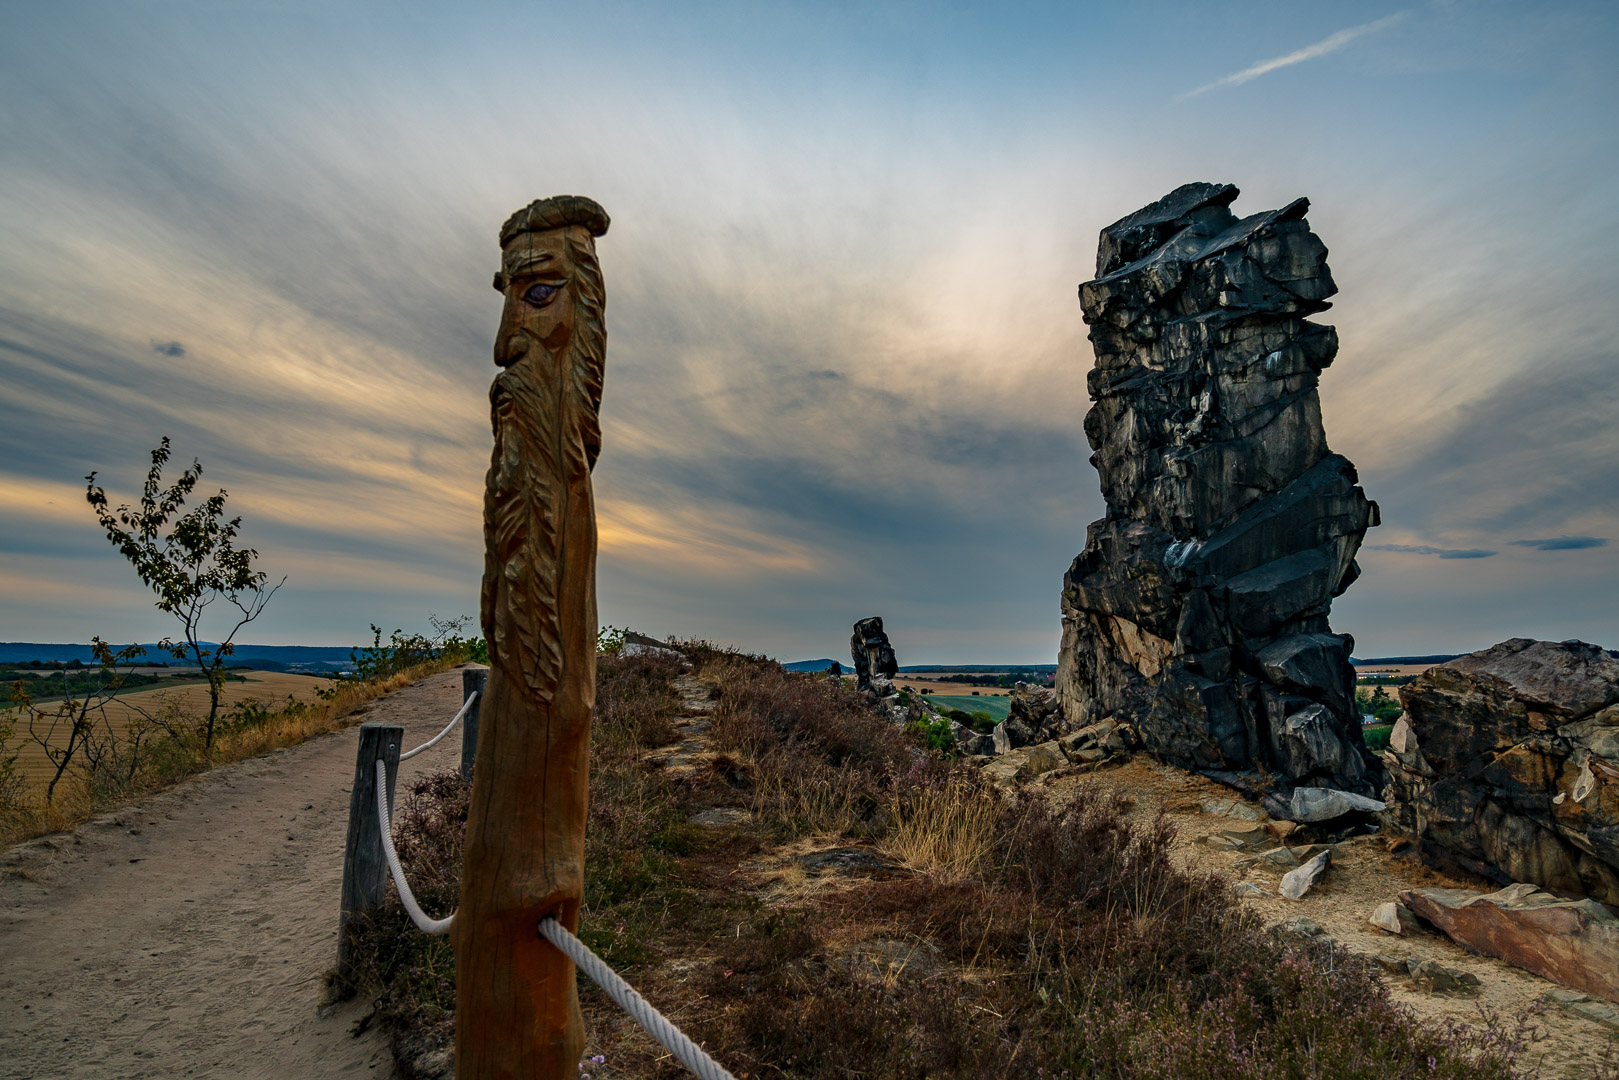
(189, 935)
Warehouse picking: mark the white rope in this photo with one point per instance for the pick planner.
(657, 1025)
(417, 916)
(430, 743)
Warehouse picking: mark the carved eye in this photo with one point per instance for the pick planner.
(542, 294)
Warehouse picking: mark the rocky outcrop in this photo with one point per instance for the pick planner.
(1198, 609)
(1033, 715)
(874, 663)
(1506, 764)
(1573, 942)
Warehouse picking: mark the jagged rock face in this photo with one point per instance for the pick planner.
(1506, 764)
(872, 653)
(1198, 609)
(1034, 715)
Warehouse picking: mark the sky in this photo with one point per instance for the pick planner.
(846, 363)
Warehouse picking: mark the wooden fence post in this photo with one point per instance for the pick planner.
(473, 680)
(365, 866)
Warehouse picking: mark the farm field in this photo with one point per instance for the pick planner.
(1364, 670)
(997, 707)
(938, 687)
(267, 687)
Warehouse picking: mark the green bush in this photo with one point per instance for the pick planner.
(405, 651)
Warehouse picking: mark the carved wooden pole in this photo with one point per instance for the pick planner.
(517, 1008)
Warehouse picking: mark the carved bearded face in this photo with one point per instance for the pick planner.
(538, 278)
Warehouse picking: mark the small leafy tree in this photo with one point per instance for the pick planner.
(66, 732)
(192, 564)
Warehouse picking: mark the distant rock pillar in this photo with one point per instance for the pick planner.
(1198, 609)
(874, 663)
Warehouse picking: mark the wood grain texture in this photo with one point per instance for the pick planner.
(517, 1008)
(365, 866)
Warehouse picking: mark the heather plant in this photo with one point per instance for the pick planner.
(1043, 937)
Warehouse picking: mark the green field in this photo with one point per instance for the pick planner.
(997, 707)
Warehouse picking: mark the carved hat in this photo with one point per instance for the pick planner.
(556, 212)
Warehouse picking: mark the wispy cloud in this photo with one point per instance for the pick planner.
(1329, 44)
(1563, 543)
(1424, 549)
(168, 348)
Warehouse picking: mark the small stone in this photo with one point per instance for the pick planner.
(1234, 808)
(720, 815)
(1324, 804)
(1002, 741)
(1303, 928)
(1248, 889)
(1435, 978)
(1254, 839)
(1221, 843)
(1395, 917)
(1600, 1011)
(1045, 757)
(1394, 965)
(1007, 768)
(1295, 883)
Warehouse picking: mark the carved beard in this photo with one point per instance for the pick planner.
(545, 412)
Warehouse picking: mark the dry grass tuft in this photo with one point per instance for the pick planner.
(949, 829)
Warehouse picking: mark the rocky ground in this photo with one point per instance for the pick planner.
(1363, 875)
(191, 935)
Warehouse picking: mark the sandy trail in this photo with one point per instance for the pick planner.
(189, 935)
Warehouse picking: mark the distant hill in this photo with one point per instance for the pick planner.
(1437, 658)
(271, 657)
(809, 665)
(822, 665)
(986, 668)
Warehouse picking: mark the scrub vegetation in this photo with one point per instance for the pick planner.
(882, 911)
(105, 750)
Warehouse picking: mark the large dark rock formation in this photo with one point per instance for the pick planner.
(1198, 609)
(1506, 763)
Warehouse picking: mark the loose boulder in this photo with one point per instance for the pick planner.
(1506, 765)
(1295, 883)
(1396, 918)
(1314, 804)
(1036, 711)
(1572, 942)
(1198, 611)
